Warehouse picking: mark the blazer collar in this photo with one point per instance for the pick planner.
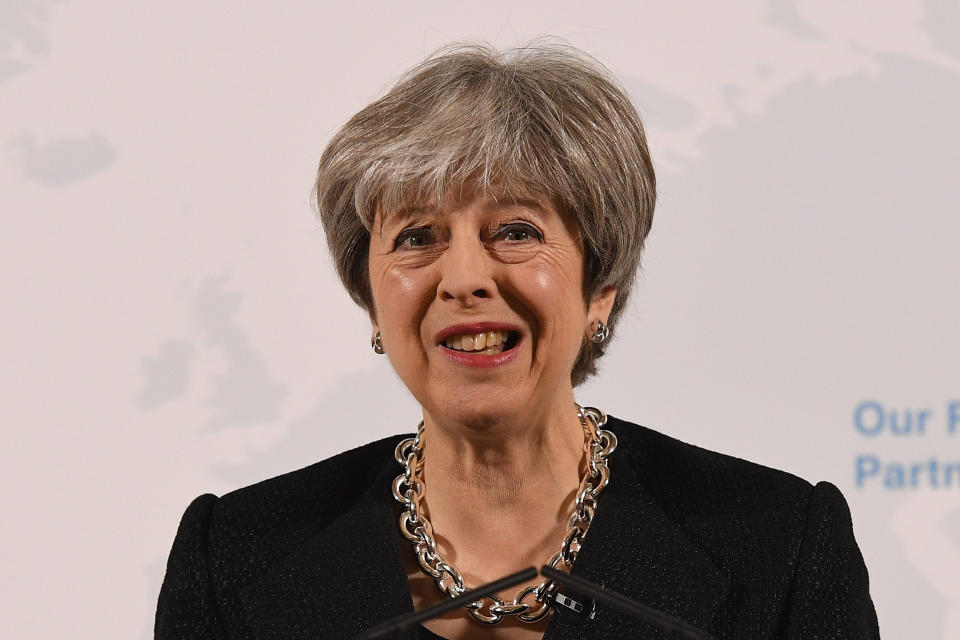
(350, 576)
(635, 549)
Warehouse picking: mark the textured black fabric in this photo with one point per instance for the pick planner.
(738, 549)
(426, 634)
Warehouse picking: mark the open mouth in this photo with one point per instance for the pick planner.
(483, 342)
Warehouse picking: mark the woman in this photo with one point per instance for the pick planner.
(489, 213)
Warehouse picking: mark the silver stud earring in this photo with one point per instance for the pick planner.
(376, 343)
(600, 332)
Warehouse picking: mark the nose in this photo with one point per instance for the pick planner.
(466, 272)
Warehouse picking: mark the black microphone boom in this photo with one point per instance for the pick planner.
(409, 619)
(579, 585)
(626, 605)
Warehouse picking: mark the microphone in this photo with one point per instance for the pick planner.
(579, 585)
(408, 620)
(625, 605)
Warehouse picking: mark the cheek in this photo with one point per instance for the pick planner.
(397, 286)
(559, 273)
(400, 297)
(553, 289)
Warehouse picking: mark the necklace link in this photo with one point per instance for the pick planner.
(415, 526)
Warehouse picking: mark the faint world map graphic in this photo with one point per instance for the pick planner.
(806, 155)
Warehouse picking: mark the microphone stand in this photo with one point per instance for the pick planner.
(406, 621)
(626, 605)
(579, 585)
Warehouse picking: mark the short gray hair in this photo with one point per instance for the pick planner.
(533, 122)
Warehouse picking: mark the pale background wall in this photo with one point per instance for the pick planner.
(171, 324)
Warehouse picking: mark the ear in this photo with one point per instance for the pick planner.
(600, 306)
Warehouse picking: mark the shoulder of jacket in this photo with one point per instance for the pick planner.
(692, 483)
(321, 489)
(251, 527)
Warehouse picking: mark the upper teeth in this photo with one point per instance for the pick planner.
(476, 341)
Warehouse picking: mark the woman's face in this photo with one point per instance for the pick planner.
(479, 304)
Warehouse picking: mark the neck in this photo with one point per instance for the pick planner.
(504, 485)
(508, 462)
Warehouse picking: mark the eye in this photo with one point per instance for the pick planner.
(413, 238)
(519, 232)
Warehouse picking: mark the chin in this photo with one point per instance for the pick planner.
(475, 413)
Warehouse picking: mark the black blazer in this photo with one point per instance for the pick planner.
(735, 548)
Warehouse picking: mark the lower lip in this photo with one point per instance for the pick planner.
(480, 359)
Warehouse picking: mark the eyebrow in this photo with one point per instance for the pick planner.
(404, 213)
(408, 211)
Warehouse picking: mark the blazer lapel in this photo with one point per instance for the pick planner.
(343, 580)
(635, 549)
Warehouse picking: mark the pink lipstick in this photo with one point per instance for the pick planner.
(478, 359)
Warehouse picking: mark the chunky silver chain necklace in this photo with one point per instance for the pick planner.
(408, 490)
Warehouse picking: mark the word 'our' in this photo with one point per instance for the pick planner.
(873, 419)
